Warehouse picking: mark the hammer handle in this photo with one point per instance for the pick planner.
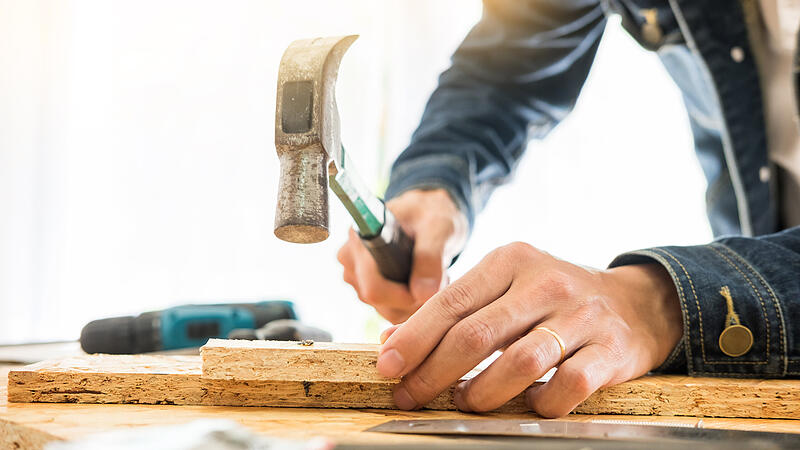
(392, 250)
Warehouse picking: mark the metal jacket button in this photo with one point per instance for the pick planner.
(736, 339)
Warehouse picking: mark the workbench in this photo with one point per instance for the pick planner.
(32, 425)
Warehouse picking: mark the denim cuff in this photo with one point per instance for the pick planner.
(448, 172)
(700, 273)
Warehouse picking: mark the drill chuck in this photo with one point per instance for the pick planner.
(122, 335)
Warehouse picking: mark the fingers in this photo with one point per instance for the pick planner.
(393, 315)
(407, 347)
(388, 332)
(575, 380)
(361, 271)
(428, 265)
(524, 362)
(466, 344)
(432, 218)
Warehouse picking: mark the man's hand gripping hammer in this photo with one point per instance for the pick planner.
(308, 141)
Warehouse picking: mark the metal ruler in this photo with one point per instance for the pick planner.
(679, 434)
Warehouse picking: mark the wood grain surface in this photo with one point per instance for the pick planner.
(145, 379)
(288, 360)
(177, 380)
(32, 425)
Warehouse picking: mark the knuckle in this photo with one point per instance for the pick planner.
(448, 226)
(549, 411)
(363, 298)
(614, 343)
(420, 387)
(602, 305)
(584, 316)
(474, 401)
(556, 284)
(520, 249)
(456, 300)
(369, 292)
(529, 360)
(393, 315)
(473, 336)
(470, 400)
(581, 379)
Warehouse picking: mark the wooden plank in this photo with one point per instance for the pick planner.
(14, 435)
(700, 397)
(31, 425)
(177, 380)
(283, 360)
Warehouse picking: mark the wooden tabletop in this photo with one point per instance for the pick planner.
(31, 425)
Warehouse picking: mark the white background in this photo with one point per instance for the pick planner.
(138, 171)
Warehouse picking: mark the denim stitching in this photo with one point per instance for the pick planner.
(696, 301)
(674, 355)
(775, 301)
(763, 310)
(682, 297)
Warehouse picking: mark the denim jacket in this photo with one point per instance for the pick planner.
(519, 72)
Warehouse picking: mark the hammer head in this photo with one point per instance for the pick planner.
(307, 135)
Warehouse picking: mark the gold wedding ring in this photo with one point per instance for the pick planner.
(558, 338)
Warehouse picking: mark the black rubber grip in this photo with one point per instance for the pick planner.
(392, 250)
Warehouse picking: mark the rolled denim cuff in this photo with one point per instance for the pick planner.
(448, 172)
(700, 273)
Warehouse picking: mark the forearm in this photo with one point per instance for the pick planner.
(762, 277)
(515, 76)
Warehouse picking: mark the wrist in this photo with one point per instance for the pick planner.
(649, 292)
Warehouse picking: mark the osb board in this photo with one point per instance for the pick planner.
(290, 360)
(176, 380)
(31, 425)
(71, 421)
(12, 434)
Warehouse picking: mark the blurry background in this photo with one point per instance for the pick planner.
(138, 170)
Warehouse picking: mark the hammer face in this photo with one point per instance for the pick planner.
(302, 213)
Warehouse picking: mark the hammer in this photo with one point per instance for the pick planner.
(308, 141)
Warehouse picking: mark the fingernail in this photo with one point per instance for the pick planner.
(426, 287)
(458, 397)
(388, 332)
(403, 399)
(391, 363)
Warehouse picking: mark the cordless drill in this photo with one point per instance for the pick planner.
(179, 327)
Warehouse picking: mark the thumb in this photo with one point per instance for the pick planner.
(427, 269)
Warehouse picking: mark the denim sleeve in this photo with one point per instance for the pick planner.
(762, 276)
(515, 76)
